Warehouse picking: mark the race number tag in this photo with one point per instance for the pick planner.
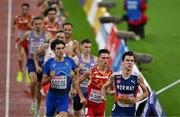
(95, 96)
(59, 82)
(33, 47)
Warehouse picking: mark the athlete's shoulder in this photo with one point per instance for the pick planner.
(50, 61)
(135, 73)
(76, 59)
(117, 73)
(94, 70)
(69, 59)
(18, 16)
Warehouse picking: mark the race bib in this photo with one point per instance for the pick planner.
(59, 82)
(34, 46)
(95, 96)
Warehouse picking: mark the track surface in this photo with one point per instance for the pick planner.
(19, 102)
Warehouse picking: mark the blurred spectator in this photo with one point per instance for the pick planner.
(46, 4)
(135, 16)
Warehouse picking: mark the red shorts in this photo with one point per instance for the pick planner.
(24, 44)
(45, 89)
(93, 109)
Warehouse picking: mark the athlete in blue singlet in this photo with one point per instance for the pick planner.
(58, 72)
(126, 84)
(85, 61)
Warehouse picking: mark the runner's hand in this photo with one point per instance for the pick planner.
(53, 74)
(132, 100)
(103, 97)
(38, 69)
(73, 92)
(83, 100)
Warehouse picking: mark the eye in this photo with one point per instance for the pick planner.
(105, 57)
(87, 47)
(62, 37)
(58, 48)
(67, 29)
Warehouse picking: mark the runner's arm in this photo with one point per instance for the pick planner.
(45, 79)
(106, 85)
(36, 56)
(79, 80)
(48, 37)
(145, 94)
(47, 74)
(24, 37)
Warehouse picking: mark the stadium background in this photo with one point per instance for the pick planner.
(162, 41)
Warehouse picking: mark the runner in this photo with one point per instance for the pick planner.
(22, 23)
(85, 61)
(72, 45)
(37, 39)
(98, 77)
(58, 71)
(126, 86)
(50, 25)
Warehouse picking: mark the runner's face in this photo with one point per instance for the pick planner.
(86, 48)
(61, 36)
(68, 30)
(128, 62)
(104, 59)
(37, 24)
(59, 50)
(52, 15)
(25, 10)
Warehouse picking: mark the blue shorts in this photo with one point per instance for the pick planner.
(76, 101)
(31, 68)
(56, 103)
(122, 111)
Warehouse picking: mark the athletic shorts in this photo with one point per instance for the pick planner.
(31, 68)
(24, 44)
(122, 111)
(95, 109)
(56, 103)
(76, 102)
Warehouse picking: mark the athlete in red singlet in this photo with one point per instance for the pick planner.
(22, 23)
(98, 76)
(50, 25)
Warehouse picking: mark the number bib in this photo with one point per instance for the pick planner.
(33, 47)
(59, 82)
(95, 96)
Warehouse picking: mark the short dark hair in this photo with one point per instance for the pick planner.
(52, 3)
(60, 31)
(85, 41)
(25, 4)
(56, 42)
(103, 51)
(67, 23)
(37, 18)
(52, 9)
(128, 53)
